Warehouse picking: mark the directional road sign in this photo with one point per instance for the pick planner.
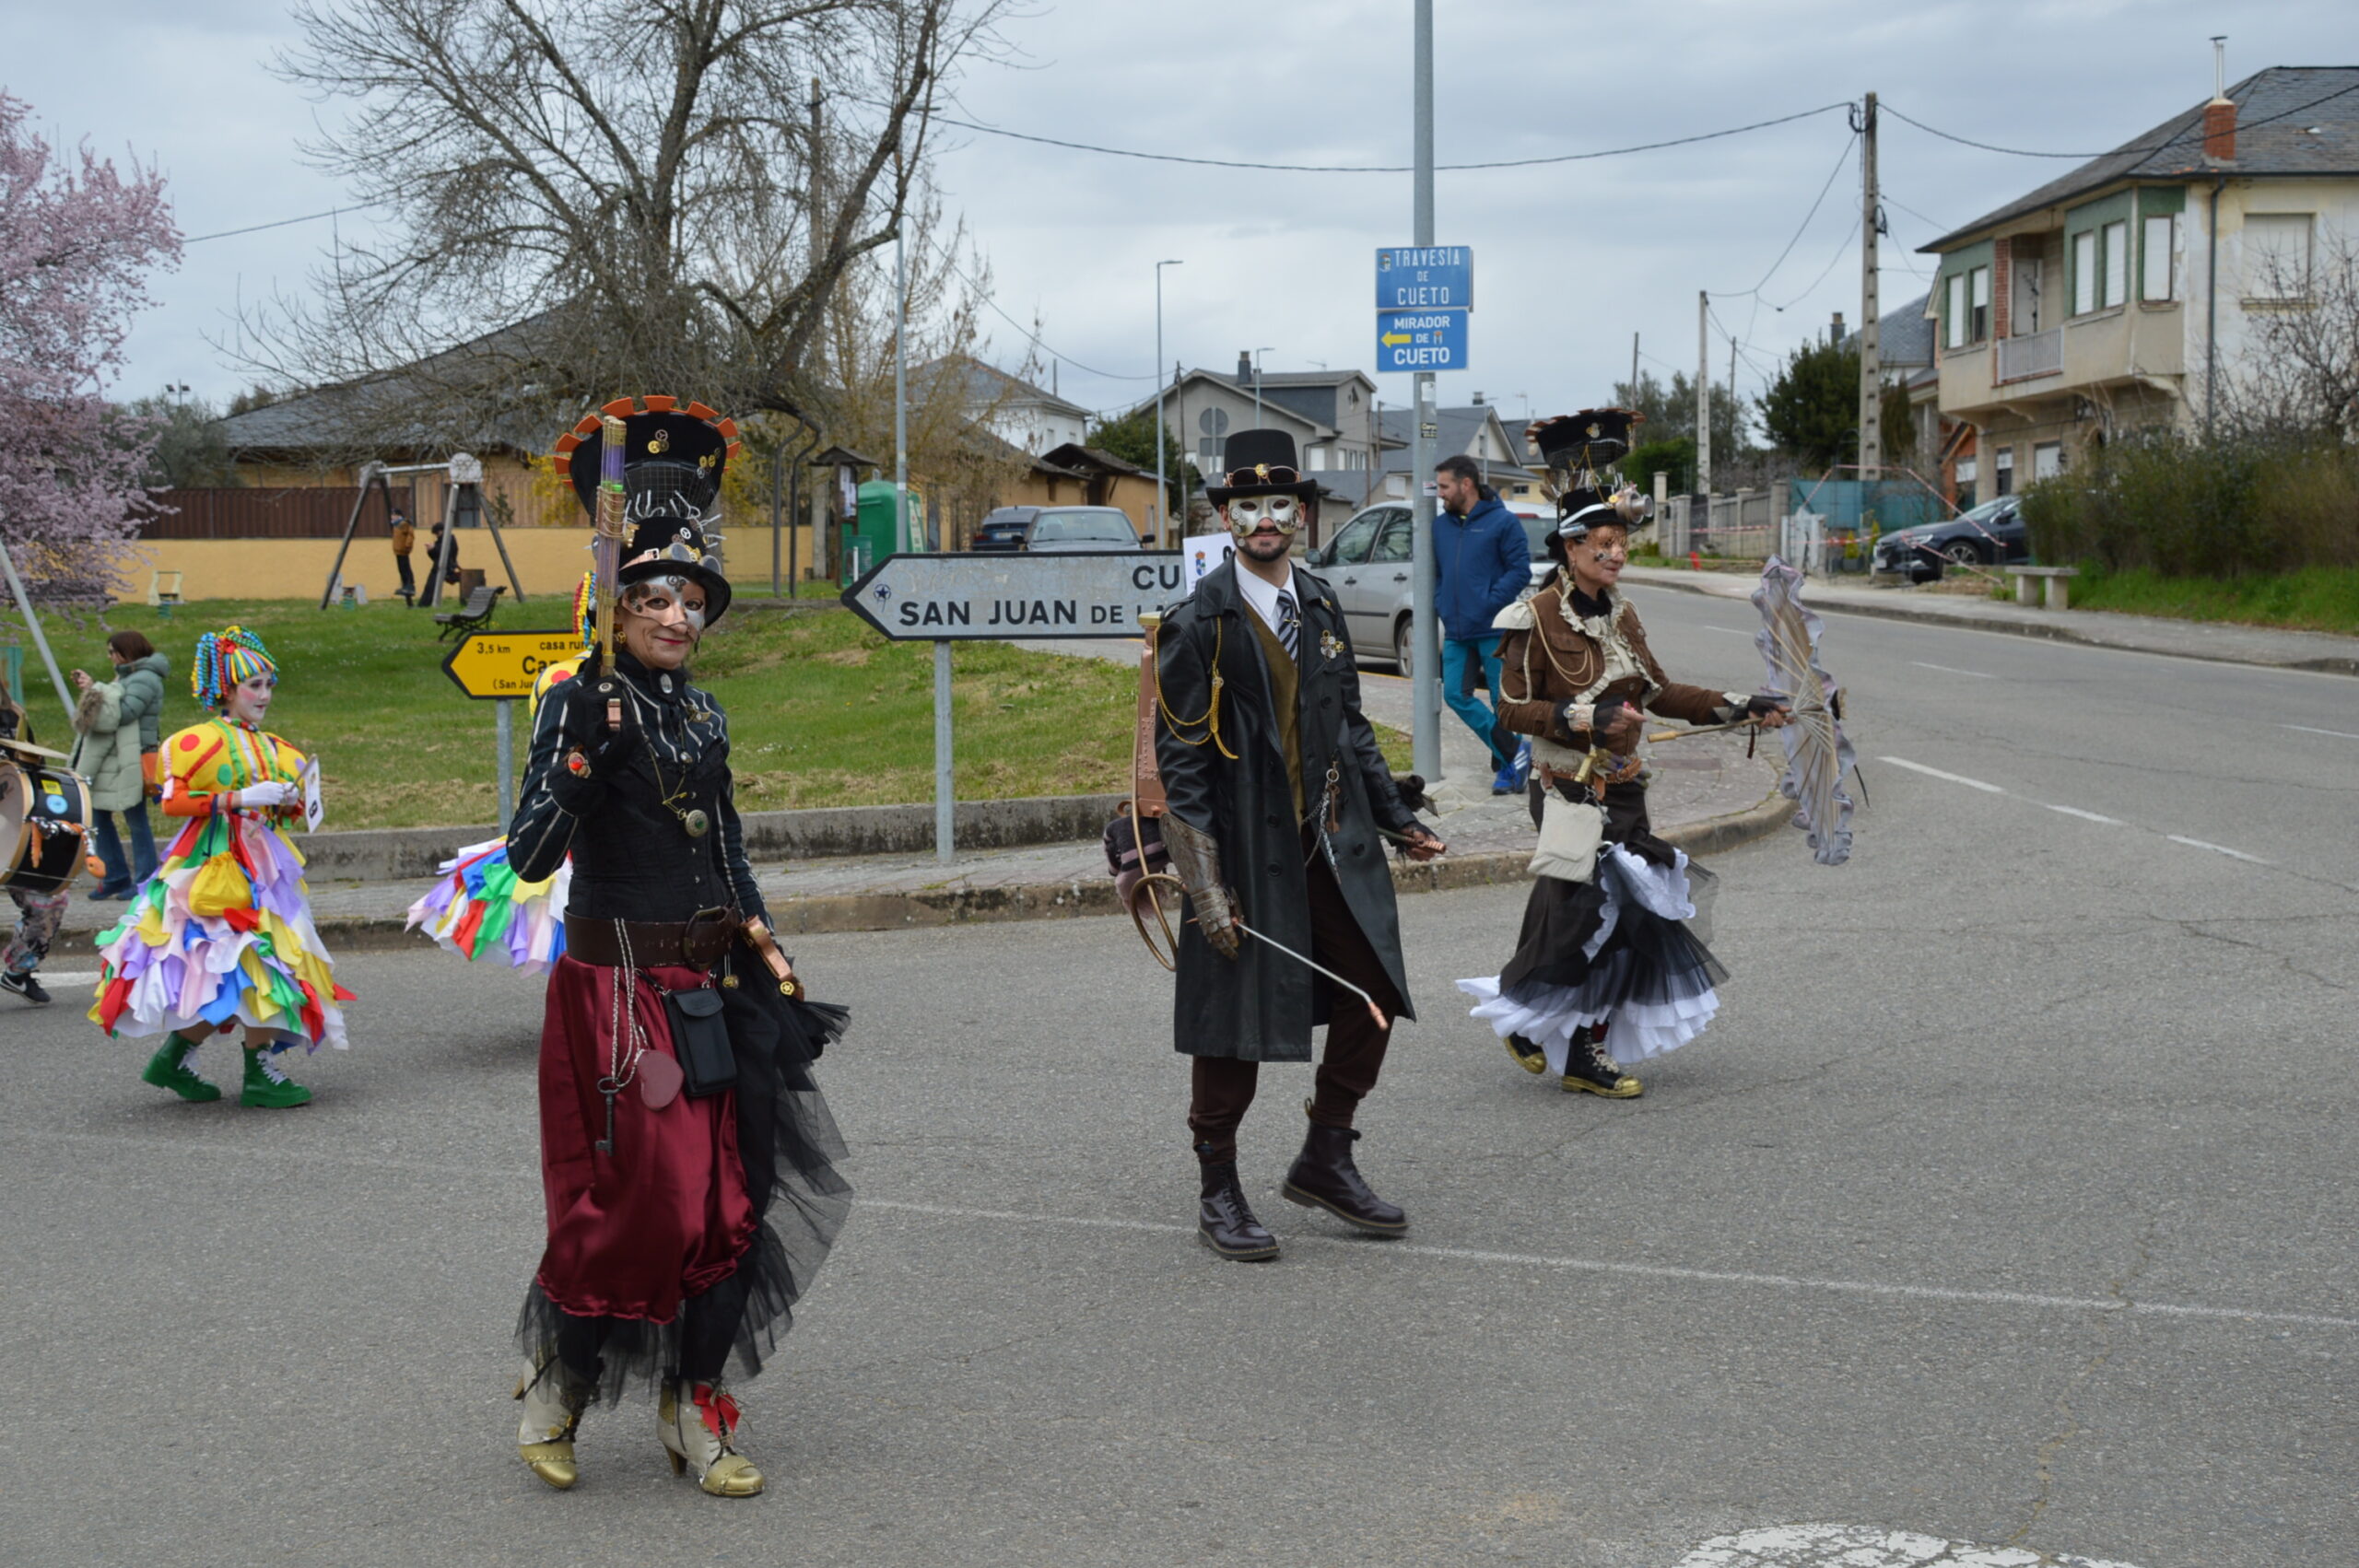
(1437, 277)
(1421, 340)
(490, 666)
(972, 597)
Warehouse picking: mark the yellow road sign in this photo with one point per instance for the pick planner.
(487, 665)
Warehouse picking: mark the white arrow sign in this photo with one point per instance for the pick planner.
(966, 598)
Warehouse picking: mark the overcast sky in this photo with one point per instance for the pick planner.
(1570, 259)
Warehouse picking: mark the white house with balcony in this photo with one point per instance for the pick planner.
(2118, 296)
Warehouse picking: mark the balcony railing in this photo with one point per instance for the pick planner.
(2034, 355)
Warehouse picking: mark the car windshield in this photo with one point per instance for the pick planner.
(1536, 531)
(1988, 512)
(1110, 527)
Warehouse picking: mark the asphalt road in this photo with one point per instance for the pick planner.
(2007, 1202)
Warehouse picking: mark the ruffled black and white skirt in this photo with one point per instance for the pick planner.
(1625, 949)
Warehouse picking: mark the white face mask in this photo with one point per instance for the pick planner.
(665, 598)
(1247, 513)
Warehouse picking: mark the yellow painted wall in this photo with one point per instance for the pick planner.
(548, 561)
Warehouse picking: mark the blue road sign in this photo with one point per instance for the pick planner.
(1438, 277)
(1421, 340)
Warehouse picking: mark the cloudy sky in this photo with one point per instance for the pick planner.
(1571, 258)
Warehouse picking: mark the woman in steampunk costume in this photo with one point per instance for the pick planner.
(1606, 971)
(688, 1159)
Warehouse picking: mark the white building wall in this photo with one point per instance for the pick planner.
(2335, 206)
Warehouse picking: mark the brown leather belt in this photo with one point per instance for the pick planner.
(699, 942)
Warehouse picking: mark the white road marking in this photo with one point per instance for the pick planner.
(1937, 773)
(1665, 1272)
(2084, 817)
(2218, 850)
(1728, 631)
(1946, 670)
(1868, 1546)
(69, 976)
(2307, 729)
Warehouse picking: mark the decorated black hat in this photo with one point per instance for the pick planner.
(673, 462)
(1260, 462)
(1584, 442)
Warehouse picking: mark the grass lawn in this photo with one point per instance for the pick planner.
(822, 711)
(2319, 599)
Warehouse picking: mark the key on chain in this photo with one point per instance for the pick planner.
(608, 1087)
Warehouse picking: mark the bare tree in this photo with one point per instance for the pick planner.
(604, 196)
(2299, 374)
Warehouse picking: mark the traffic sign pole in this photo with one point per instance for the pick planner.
(946, 799)
(1424, 669)
(506, 709)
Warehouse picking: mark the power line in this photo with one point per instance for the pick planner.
(1832, 176)
(1037, 342)
(2185, 133)
(281, 223)
(1840, 252)
(1387, 168)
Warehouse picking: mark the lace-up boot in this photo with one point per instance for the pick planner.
(1325, 1177)
(169, 1069)
(1529, 1057)
(698, 1424)
(266, 1088)
(1590, 1070)
(1225, 1221)
(554, 1399)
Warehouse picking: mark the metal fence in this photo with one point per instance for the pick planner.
(271, 512)
(1742, 526)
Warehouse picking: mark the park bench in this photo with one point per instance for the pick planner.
(2055, 591)
(471, 617)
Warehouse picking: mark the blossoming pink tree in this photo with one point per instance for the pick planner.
(78, 240)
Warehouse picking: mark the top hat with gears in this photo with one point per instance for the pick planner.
(1260, 462)
(1576, 444)
(673, 461)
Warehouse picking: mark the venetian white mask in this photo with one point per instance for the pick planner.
(1247, 513)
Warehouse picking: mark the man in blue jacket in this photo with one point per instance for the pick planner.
(1481, 565)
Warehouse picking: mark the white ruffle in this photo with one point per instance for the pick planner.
(1623, 875)
(1635, 1030)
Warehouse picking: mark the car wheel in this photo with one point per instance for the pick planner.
(1964, 553)
(1402, 643)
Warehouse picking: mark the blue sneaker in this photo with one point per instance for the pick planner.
(1503, 782)
(1522, 762)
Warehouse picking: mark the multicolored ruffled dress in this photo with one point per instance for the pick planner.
(222, 933)
(480, 907)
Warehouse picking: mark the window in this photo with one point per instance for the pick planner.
(2003, 481)
(2115, 239)
(1967, 472)
(2158, 276)
(2084, 272)
(1350, 546)
(1953, 322)
(1979, 283)
(2277, 255)
(2047, 461)
(1394, 543)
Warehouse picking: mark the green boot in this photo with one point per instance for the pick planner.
(266, 1087)
(169, 1069)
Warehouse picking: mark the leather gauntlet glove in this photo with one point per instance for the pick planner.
(1195, 859)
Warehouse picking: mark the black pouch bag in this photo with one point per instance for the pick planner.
(700, 1041)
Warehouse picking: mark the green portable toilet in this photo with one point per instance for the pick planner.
(871, 539)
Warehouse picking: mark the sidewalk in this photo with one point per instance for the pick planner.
(1708, 796)
(2219, 642)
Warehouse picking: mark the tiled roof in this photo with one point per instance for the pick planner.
(2277, 111)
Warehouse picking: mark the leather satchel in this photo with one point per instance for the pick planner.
(1570, 833)
(700, 1042)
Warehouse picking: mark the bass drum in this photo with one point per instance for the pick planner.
(44, 826)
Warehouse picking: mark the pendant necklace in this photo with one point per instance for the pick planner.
(693, 820)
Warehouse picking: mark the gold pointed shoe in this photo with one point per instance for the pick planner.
(698, 1422)
(1529, 1057)
(553, 1407)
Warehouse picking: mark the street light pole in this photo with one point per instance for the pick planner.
(1424, 683)
(1257, 382)
(1163, 533)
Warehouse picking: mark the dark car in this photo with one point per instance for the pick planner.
(1991, 533)
(1054, 528)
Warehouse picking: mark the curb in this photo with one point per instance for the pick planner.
(1055, 900)
(2325, 665)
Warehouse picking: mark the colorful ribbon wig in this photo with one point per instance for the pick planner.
(225, 659)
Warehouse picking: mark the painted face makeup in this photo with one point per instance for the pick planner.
(1248, 513)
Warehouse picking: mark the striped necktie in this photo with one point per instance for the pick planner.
(1289, 626)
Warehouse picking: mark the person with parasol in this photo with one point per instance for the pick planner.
(1277, 801)
(1606, 971)
(688, 1159)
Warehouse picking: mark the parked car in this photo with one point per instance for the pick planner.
(1990, 533)
(1054, 528)
(1367, 563)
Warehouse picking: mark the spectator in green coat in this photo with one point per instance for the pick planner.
(119, 724)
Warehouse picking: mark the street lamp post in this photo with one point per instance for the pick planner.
(1163, 531)
(1257, 382)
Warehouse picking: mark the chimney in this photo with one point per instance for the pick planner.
(1478, 399)
(1244, 368)
(1835, 333)
(2220, 114)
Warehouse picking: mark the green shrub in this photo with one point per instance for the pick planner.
(2159, 502)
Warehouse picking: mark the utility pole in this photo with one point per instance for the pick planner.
(1704, 401)
(1257, 382)
(1163, 534)
(1634, 367)
(1871, 359)
(1425, 649)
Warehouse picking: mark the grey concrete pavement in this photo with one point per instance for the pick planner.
(2006, 1202)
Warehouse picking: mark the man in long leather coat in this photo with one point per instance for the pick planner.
(1276, 797)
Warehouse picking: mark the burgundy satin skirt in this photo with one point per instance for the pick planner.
(665, 1215)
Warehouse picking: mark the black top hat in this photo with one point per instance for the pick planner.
(673, 461)
(1590, 439)
(1260, 462)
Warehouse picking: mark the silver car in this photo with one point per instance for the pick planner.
(1367, 563)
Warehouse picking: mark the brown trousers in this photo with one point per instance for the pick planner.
(1223, 1087)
